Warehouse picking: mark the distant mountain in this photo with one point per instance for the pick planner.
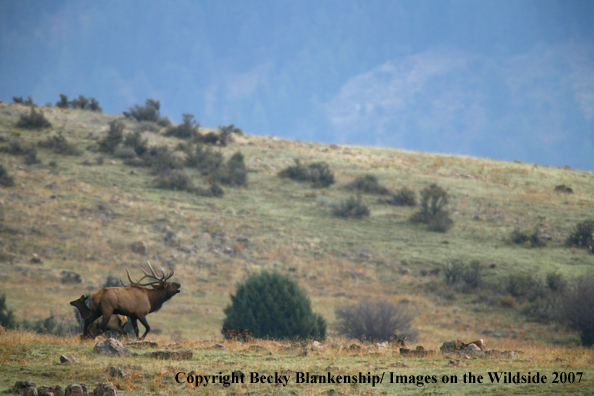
(537, 106)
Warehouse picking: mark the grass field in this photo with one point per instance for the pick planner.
(82, 216)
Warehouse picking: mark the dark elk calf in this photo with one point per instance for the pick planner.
(135, 301)
(116, 323)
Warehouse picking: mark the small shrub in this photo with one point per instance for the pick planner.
(114, 137)
(469, 276)
(521, 238)
(214, 190)
(148, 112)
(352, 207)
(135, 142)
(161, 159)
(295, 172)
(34, 120)
(433, 212)
(174, 179)
(164, 122)
(80, 103)
(507, 301)
(188, 129)
(276, 307)
(31, 157)
(63, 103)
(124, 153)
(17, 99)
(402, 197)
(556, 282)
(147, 126)
(582, 235)
(59, 145)
(576, 309)
(373, 321)
(205, 160)
(319, 173)
(367, 184)
(524, 287)
(54, 325)
(7, 319)
(234, 173)
(94, 105)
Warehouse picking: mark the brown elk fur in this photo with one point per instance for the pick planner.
(399, 342)
(246, 335)
(134, 301)
(116, 323)
(479, 343)
(232, 334)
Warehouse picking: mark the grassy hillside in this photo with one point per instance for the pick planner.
(76, 213)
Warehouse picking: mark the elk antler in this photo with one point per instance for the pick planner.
(155, 278)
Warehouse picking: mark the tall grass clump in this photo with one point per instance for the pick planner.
(6, 180)
(373, 321)
(276, 307)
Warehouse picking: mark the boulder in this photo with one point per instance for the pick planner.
(70, 277)
(142, 344)
(76, 390)
(68, 359)
(20, 386)
(105, 389)
(451, 346)
(116, 373)
(54, 390)
(139, 247)
(112, 347)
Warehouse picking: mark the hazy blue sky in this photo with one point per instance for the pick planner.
(503, 79)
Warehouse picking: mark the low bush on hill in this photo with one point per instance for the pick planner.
(374, 321)
(114, 137)
(188, 129)
(148, 112)
(319, 173)
(402, 197)
(352, 207)
(276, 307)
(60, 145)
(367, 184)
(582, 236)
(527, 239)
(34, 120)
(434, 199)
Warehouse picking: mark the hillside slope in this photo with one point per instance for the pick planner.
(83, 215)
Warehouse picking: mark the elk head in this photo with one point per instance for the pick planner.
(157, 282)
(400, 342)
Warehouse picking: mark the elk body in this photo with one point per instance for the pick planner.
(116, 322)
(135, 300)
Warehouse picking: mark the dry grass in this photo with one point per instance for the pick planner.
(84, 219)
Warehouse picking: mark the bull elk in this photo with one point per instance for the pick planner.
(116, 322)
(135, 300)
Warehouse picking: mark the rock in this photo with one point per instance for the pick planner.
(220, 346)
(451, 346)
(105, 389)
(30, 392)
(112, 347)
(116, 372)
(36, 260)
(54, 390)
(471, 350)
(139, 247)
(316, 346)
(457, 363)
(68, 359)
(399, 363)
(172, 355)
(143, 344)
(76, 390)
(70, 277)
(564, 188)
(20, 386)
